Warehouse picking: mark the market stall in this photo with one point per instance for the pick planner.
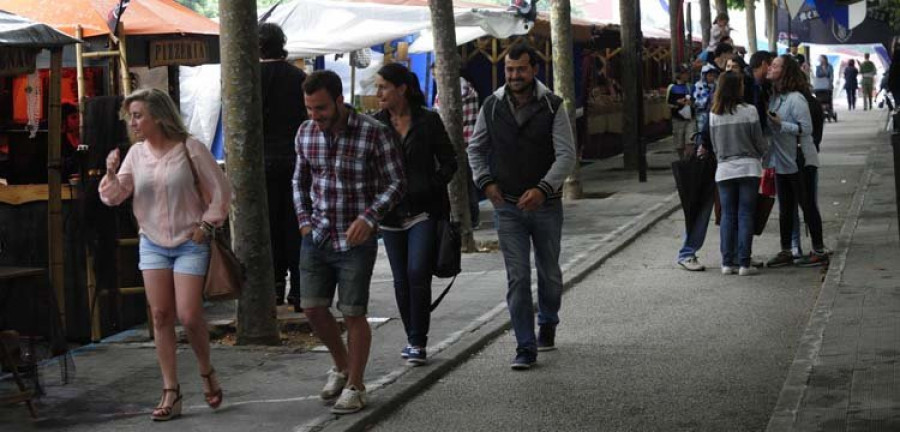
(150, 36)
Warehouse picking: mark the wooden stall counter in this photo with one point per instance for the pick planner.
(23, 194)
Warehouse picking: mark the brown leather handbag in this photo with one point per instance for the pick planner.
(225, 274)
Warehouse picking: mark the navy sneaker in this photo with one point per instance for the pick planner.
(416, 356)
(524, 360)
(546, 338)
(405, 352)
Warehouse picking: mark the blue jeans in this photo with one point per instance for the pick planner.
(518, 230)
(411, 254)
(694, 238)
(738, 199)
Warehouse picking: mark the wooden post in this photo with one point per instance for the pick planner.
(54, 184)
(79, 70)
(632, 77)
(750, 9)
(705, 22)
(123, 62)
(564, 82)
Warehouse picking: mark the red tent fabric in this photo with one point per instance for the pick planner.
(143, 17)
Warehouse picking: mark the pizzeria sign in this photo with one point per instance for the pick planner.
(183, 52)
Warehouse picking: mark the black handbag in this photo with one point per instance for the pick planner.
(448, 256)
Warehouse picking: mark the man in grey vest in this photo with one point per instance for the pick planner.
(521, 152)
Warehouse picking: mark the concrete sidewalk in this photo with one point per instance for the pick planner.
(846, 374)
(275, 388)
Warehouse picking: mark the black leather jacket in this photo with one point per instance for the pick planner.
(429, 162)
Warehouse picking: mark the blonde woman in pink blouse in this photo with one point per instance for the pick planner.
(175, 222)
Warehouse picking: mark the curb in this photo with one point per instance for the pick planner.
(795, 385)
(401, 385)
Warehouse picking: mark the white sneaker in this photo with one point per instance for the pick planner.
(748, 271)
(334, 385)
(728, 270)
(351, 401)
(691, 264)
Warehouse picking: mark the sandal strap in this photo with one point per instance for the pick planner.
(209, 374)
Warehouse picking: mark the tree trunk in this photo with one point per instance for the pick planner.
(447, 62)
(721, 6)
(242, 114)
(674, 37)
(564, 82)
(771, 25)
(705, 22)
(750, 9)
(632, 74)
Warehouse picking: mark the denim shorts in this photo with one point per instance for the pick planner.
(187, 258)
(322, 269)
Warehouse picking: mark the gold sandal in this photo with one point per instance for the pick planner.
(213, 398)
(165, 413)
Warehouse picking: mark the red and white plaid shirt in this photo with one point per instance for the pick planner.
(469, 107)
(357, 173)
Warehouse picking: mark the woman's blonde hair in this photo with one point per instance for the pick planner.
(161, 109)
(729, 93)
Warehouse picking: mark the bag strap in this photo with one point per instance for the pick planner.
(441, 297)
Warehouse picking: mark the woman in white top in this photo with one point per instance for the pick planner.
(175, 221)
(739, 145)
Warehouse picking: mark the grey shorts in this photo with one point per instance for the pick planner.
(322, 269)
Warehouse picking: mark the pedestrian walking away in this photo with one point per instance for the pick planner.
(409, 229)
(868, 71)
(851, 83)
(794, 157)
(739, 146)
(176, 223)
(337, 147)
(521, 152)
(283, 113)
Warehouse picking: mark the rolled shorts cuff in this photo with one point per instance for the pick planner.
(314, 302)
(352, 311)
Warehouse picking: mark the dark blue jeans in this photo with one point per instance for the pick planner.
(738, 199)
(411, 254)
(518, 230)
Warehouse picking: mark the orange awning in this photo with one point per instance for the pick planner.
(143, 17)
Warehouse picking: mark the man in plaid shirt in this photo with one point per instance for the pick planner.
(470, 116)
(349, 173)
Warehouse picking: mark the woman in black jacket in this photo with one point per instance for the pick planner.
(409, 229)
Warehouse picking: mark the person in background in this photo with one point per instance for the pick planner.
(718, 32)
(823, 80)
(799, 58)
(176, 222)
(868, 71)
(337, 147)
(703, 92)
(739, 145)
(283, 113)
(851, 85)
(795, 159)
(521, 152)
(470, 115)
(679, 98)
(885, 90)
(409, 229)
(71, 139)
(758, 92)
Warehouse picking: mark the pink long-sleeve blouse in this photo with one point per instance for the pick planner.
(166, 203)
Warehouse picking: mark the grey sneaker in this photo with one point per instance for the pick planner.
(729, 270)
(748, 271)
(784, 258)
(334, 385)
(691, 264)
(351, 401)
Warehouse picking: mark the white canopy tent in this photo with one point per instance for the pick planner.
(319, 27)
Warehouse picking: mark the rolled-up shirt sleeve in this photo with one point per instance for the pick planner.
(114, 190)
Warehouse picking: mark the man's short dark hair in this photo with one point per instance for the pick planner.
(760, 57)
(271, 41)
(324, 79)
(516, 51)
(722, 48)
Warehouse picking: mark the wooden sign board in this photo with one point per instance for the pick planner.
(182, 52)
(16, 61)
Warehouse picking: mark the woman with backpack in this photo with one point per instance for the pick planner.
(795, 160)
